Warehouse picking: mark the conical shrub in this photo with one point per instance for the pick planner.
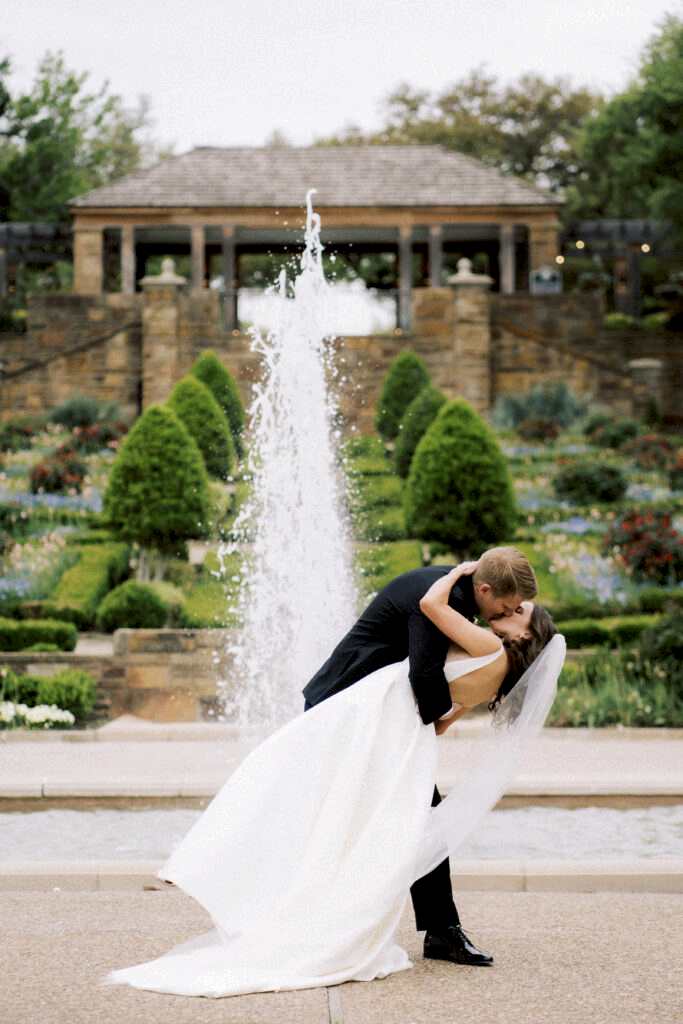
(417, 417)
(406, 376)
(459, 489)
(158, 490)
(195, 405)
(210, 371)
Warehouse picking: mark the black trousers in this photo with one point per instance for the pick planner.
(432, 895)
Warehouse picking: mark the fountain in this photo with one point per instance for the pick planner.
(297, 594)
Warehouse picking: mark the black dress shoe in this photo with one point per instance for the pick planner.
(454, 945)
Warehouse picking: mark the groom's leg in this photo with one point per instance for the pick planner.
(432, 895)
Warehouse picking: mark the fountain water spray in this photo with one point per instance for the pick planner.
(297, 594)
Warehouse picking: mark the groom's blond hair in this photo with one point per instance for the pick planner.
(507, 571)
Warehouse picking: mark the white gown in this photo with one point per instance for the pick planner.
(305, 857)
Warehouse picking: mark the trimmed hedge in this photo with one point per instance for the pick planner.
(18, 634)
(374, 492)
(132, 605)
(405, 378)
(607, 632)
(459, 490)
(81, 588)
(419, 415)
(210, 371)
(196, 406)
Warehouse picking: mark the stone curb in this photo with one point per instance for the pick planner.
(663, 875)
(129, 729)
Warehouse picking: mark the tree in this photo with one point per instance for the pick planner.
(210, 371)
(459, 489)
(194, 404)
(417, 417)
(58, 141)
(527, 128)
(158, 491)
(631, 151)
(406, 376)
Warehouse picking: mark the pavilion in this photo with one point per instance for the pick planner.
(221, 202)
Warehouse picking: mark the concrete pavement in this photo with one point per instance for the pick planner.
(133, 758)
(560, 959)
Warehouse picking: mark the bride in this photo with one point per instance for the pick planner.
(305, 856)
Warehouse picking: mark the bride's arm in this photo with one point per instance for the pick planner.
(473, 639)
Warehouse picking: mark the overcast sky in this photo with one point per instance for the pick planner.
(229, 72)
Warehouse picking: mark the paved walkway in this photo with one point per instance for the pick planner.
(129, 758)
(560, 959)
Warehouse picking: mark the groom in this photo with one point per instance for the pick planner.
(393, 628)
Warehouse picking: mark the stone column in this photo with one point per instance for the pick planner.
(435, 255)
(647, 376)
(198, 256)
(506, 258)
(229, 279)
(405, 278)
(472, 348)
(160, 341)
(88, 260)
(543, 245)
(128, 259)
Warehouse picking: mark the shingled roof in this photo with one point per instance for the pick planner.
(209, 176)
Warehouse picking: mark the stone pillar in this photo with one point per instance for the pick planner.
(198, 256)
(160, 341)
(88, 260)
(128, 259)
(405, 277)
(472, 357)
(647, 376)
(543, 245)
(435, 255)
(229, 279)
(506, 258)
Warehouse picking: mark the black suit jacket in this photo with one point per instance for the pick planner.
(390, 629)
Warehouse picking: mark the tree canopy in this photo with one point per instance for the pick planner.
(60, 139)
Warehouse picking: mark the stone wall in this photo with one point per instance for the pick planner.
(475, 344)
(166, 675)
(60, 331)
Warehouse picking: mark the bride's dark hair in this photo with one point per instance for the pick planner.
(521, 653)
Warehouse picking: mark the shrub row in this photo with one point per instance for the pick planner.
(71, 689)
(611, 632)
(18, 634)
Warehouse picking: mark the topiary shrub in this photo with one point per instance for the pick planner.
(158, 490)
(132, 605)
(417, 417)
(459, 489)
(585, 482)
(406, 377)
(210, 371)
(193, 403)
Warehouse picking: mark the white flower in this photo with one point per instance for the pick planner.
(7, 711)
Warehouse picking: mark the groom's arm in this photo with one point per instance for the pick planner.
(427, 649)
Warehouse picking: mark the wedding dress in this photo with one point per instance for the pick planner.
(305, 857)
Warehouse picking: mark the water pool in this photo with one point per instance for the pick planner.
(534, 832)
